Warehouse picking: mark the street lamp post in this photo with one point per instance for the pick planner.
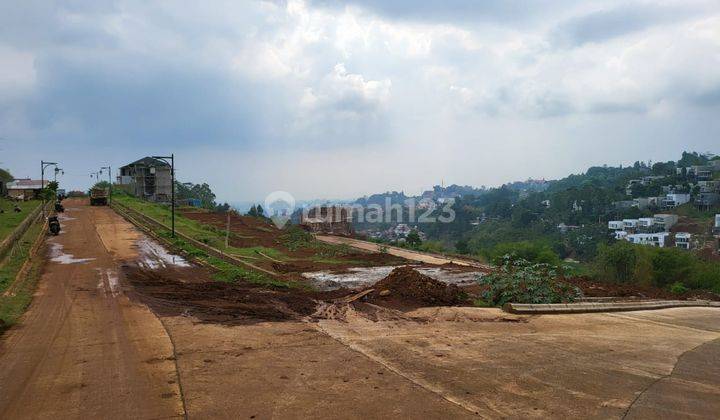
(44, 165)
(109, 182)
(172, 185)
(56, 173)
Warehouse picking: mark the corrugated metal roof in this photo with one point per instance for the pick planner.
(26, 184)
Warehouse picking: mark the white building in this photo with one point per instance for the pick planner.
(620, 234)
(616, 225)
(683, 240)
(630, 223)
(646, 222)
(674, 200)
(652, 239)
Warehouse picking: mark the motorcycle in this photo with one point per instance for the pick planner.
(59, 208)
(54, 225)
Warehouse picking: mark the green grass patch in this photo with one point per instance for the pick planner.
(13, 306)
(254, 251)
(9, 220)
(226, 271)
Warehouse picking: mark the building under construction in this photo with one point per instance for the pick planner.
(333, 220)
(147, 178)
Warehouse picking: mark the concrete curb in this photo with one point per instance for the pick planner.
(589, 307)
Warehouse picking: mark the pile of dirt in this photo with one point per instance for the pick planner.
(592, 288)
(405, 288)
(168, 294)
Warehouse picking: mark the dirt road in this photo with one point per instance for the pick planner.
(83, 350)
(401, 252)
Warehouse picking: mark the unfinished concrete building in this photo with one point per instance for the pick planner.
(333, 220)
(147, 178)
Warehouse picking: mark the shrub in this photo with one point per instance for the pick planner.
(624, 262)
(521, 281)
(678, 288)
(534, 252)
(617, 262)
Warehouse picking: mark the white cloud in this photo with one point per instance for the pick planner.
(460, 89)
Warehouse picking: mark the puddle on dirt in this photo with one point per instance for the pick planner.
(57, 255)
(109, 281)
(358, 277)
(153, 255)
(64, 218)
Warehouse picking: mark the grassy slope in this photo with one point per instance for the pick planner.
(10, 220)
(211, 236)
(11, 307)
(203, 233)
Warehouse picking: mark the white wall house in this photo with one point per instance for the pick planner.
(616, 225)
(683, 240)
(630, 223)
(620, 234)
(674, 200)
(652, 239)
(646, 222)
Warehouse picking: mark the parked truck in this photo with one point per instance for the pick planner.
(99, 197)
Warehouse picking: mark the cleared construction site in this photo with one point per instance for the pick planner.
(127, 323)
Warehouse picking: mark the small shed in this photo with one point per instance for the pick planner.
(25, 189)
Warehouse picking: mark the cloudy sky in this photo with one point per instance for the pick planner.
(333, 99)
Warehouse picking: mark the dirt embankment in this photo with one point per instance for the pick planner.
(248, 232)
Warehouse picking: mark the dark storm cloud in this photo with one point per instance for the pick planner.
(135, 99)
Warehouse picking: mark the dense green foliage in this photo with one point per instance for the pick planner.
(671, 268)
(520, 281)
(534, 252)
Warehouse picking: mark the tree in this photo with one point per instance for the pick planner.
(413, 239)
(461, 246)
(202, 192)
(222, 208)
(260, 211)
(253, 211)
(5, 176)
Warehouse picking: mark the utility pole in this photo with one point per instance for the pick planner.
(44, 165)
(227, 231)
(172, 185)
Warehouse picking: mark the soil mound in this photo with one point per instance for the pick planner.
(405, 287)
(214, 301)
